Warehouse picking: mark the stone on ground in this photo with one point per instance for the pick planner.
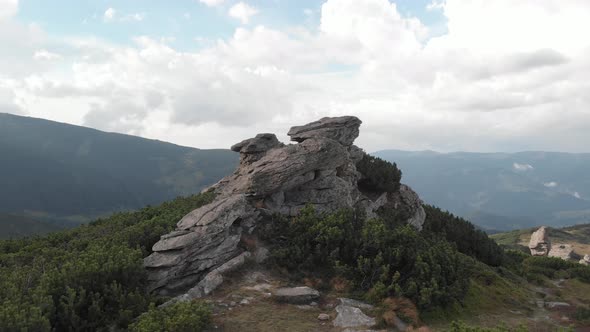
(296, 295)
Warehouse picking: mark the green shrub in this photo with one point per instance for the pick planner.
(582, 314)
(469, 240)
(379, 259)
(534, 268)
(18, 316)
(86, 279)
(378, 175)
(180, 317)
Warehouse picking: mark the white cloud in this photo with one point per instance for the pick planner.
(135, 17)
(211, 3)
(109, 14)
(577, 195)
(480, 86)
(45, 55)
(243, 12)
(522, 167)
(551, 184)
(435, 5)
(8, 8)
(7, 100)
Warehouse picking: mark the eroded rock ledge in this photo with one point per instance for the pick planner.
(272, 178)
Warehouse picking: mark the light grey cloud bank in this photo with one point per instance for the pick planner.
(505, 76)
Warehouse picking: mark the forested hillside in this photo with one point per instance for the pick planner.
(91, 278)
(13, 226)
(69, 174)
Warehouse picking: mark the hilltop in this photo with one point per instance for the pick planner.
(68, 174)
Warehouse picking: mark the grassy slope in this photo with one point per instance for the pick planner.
(578, 236)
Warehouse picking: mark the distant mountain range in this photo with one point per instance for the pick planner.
(65, 175)
(501, 191)
(68, 174)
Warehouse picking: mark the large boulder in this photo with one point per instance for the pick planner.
(272, 178)
(585, 260)
(350, 314)
(253, 149)
(563, 251)
(539, 243)
(344, 129)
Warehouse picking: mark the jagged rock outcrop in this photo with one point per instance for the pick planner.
(272, 178)
(343, 129)
(563, 251)
(585, 260)
(539, 243)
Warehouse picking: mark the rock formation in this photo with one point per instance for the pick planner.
(540, 244)
(272, 178)
(585, 260)
(563, 251)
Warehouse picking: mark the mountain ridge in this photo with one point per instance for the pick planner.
(501, 191)
(69, 174)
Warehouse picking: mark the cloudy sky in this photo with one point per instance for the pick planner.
(471, 75)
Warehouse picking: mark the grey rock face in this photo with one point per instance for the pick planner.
(352, 317)
(539, 243)
(296, 295)
(253, 149)
(410, 199)
(271, 178)
(343, 129)
(563, 251)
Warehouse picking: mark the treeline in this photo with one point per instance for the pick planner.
(378, 175)
(468, 239)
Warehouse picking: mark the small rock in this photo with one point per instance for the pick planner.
(304, 307)
(260, 287)
(261, 254)
(245, 302)
(554, 305)
(352, 317)
(297, 295)
(323, 317)
(232, 304)
(314, 304)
